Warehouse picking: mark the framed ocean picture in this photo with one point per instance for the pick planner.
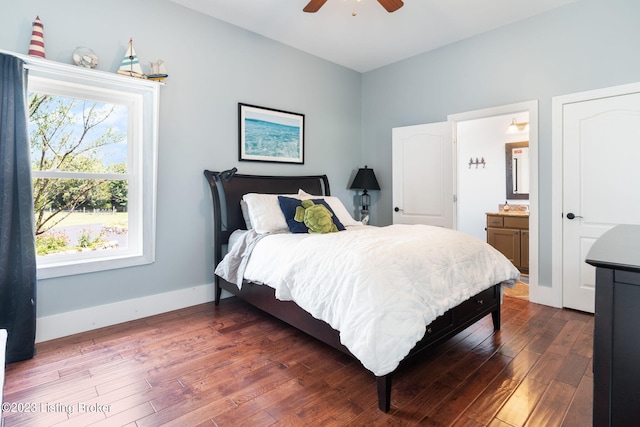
(269, 135)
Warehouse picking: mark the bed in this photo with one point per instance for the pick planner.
(230, 191)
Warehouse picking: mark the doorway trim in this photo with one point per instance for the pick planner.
(536, 294)
(557, 215)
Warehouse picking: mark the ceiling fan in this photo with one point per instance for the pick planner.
(389, 5)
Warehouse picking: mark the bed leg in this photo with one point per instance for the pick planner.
(384, 392)
(218, 291)
(495, 315)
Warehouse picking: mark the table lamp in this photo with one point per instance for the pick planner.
(365, 180)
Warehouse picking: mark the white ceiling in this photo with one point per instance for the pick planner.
(373, 37)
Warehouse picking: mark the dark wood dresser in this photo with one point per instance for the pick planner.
(616, 341)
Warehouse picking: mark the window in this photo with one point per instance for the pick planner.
(93, 142)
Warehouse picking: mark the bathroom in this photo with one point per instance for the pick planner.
(492, 182)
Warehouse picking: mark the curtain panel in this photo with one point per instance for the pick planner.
(17, 239)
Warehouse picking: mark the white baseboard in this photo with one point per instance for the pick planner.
(73, 322)
(87, 319)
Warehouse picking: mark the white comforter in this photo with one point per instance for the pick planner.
(379, 286)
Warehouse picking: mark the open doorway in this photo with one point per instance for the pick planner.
(482, 189)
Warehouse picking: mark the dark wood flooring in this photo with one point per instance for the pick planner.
(232, 365)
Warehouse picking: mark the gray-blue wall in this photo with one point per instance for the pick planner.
(212, 66)
(585, 45)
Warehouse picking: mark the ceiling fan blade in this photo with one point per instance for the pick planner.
(314, 5)
(391, 5)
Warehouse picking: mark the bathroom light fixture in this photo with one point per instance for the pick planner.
(516, 127)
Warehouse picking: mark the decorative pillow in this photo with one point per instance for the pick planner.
(336, 206)
(265, 214)
(320, 218)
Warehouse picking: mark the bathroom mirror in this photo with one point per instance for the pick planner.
(517, 170)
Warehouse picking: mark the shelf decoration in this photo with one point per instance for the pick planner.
(84, 57)
(157, 71)
(130, 65)
(36, 46)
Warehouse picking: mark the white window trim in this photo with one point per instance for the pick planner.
(146, 96)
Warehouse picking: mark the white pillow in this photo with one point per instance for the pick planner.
(336, 206)
(265, 214)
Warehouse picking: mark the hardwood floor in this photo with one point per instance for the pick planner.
(233, 365)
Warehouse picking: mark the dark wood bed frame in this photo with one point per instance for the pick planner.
(227, 189)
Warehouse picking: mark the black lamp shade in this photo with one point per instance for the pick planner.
(365, 180)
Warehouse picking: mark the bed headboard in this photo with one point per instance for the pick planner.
(228, 187)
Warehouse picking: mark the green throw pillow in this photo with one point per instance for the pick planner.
(316, 217)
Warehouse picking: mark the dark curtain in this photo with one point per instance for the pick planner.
(17, 239)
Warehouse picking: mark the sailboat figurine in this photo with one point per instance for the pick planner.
(157, 71)
(130, 65)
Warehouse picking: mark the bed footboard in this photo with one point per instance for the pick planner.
(444, 327)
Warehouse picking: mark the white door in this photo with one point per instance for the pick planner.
(422, 162)
(601, 177)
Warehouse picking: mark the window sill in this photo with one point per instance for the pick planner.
(91, 265)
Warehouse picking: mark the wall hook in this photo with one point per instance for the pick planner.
(477, 162)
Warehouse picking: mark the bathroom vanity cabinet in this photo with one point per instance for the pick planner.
(509, 233)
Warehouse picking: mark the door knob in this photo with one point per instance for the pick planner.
(571, 215)
(397, 209)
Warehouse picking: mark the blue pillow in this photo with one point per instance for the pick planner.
(288, 206)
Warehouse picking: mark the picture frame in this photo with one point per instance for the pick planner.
(270, 135)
